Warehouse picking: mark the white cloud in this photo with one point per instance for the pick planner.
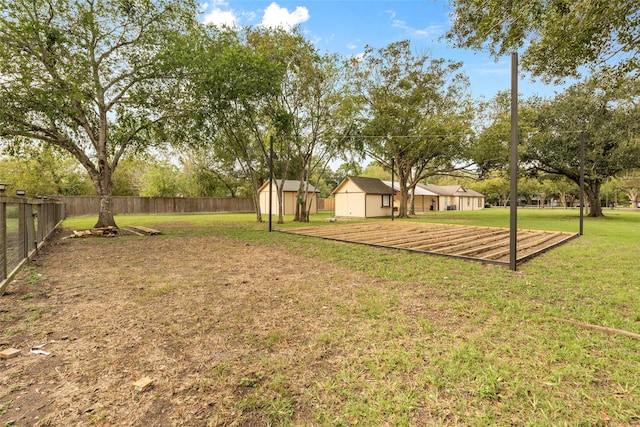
(358, 56)
(221, 18)
(491, 67)
(351, 46)
(276, 16)
(430, 31)
(249, 16)
(215, 3)
(495, 70)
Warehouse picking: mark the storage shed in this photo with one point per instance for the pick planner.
(360, 197)
(290, 191)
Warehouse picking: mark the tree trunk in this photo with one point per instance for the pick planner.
(296, 210)
(412, 208)
(104, 186)
(403, 176)
(592, 191)
(256, 203)
(633, 197)
(303, 201)
(280, 203)
(105, 215)
(404, 198)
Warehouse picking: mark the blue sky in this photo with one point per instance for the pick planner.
(347, 26)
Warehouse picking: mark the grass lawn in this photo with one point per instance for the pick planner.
(431, 340)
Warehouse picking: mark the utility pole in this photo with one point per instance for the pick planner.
(582, 143)
(513, 228)
(393, 191)
(270, 182)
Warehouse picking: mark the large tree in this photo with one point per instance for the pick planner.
(603, 112)
(495, 187)
(87, 76)
(232, 97)
(558, 36)
(630, 183)
(415, 111)
(319, 104)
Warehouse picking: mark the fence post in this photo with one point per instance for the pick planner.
(22, 231)
(43, 222)
(30, 229)
(3, 241)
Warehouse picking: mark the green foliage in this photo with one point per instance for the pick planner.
(559, 37)
(87, 77)
(375, 170)
(496, 189)
(126, 179)
(602, 112)
(207, 176)
(43, 170)
(630, 183)
(415, 110)
(235, 78)
(161, 180)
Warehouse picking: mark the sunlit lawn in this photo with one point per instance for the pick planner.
(446, 341)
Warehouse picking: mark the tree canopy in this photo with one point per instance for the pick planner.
(415, 110)
(606, 115)
(86, 76)
(558, 36)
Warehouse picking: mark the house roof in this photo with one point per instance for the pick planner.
(419, 191)
(289, 185)
(367, 185)
(450, 190)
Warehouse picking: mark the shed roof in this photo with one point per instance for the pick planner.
(367, 185)
(289, 185)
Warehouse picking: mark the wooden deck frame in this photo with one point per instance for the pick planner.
(484, 244)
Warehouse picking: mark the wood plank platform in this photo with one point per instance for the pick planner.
(485, 244)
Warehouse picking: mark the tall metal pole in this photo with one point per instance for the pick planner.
(582, 183)
(393, 184)
(513, 228)
(270, 182)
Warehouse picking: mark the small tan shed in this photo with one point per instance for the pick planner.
(290, 191)
(360, 197)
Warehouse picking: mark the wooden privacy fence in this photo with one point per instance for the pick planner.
(24, 226)
(122, 205)
(326, 204)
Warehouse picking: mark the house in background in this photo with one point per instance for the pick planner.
(360, 197)
(290, 191)
(424, 200)
(455, 197)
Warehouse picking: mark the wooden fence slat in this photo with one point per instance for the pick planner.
(89, 205)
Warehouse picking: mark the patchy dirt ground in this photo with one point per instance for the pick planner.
(230, 333)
